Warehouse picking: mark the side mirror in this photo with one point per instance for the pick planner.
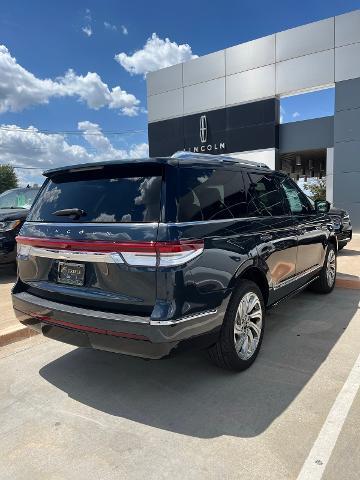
(322, 206)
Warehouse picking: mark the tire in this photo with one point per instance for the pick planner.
(230, 351)
(341, 245)
(326, 281)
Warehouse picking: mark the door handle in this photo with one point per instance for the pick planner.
(266, 237)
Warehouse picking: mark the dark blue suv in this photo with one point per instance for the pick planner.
(149, 257)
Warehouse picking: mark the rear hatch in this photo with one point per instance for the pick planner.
(86, 240)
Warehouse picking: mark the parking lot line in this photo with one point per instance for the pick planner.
(315, 464)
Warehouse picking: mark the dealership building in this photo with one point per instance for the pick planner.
(229, 102)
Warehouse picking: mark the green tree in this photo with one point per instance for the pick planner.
(8, 178)
(317, 189)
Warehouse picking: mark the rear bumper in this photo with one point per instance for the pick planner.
(129, 335)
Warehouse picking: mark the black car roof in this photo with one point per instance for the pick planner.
(189, 159)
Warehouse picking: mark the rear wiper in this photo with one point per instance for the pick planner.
(69, 212)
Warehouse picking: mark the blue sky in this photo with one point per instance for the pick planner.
(47, 39)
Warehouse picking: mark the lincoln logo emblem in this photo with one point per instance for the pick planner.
(203, 129)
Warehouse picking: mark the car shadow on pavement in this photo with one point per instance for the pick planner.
(188, 395)
(349, 253)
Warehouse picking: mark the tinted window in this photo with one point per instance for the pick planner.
(19, 198)
(297, 201)
(210, 194)
(113, 195)
(264, 196)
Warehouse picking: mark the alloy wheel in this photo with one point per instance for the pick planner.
(248, 325)
(331, 268)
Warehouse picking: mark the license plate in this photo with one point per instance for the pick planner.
(71, 273)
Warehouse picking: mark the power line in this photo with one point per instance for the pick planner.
(71, 132)
(27, 168)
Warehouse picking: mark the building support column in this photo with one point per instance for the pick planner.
(346, 172)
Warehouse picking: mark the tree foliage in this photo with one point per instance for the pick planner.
(8, 178)
(317, 189)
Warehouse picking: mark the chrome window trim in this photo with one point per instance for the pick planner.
(153, 224)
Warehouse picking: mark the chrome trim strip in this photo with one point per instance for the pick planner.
(84, 312)
(187, 318)
(297, 277)
(152, 224)
(96, 314)
(99, 257)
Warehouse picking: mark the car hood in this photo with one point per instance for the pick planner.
(13, 214)
(337, 211)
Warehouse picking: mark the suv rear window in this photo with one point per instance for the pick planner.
(114, 194)
(210, 194)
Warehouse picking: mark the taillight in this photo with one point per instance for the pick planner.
(177, 253)
(152, 254)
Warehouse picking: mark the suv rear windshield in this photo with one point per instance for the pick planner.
(109, 195)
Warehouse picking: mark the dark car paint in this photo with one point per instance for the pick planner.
(7, 239)
(274, 249)
(343, 230)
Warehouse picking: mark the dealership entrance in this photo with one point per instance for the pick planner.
(305, 165)
(229, 102)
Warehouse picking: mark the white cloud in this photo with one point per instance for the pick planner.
(87, 30)
(109, 26)
(20, 89)
(87, 16)
(157, 53)
(31, 148)
(282, 114)
(124, 30)
(296, 114)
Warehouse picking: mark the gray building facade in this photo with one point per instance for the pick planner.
(228, 102)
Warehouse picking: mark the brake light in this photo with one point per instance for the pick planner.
(177, 253)
(162, 254)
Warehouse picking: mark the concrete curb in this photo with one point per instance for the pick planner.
(347, 281)
(15, 334)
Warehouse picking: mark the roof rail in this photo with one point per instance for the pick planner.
(206, 156)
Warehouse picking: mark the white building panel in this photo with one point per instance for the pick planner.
(165, 105)
(251, 85)
(304, 73)
(347, 62)
(204, 68)
(204, 96)
(249, 55)
(310, 38)
(267, 156)
(347, 28)
(163, 80)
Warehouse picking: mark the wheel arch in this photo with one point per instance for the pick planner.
(333, 241)
(254, 274)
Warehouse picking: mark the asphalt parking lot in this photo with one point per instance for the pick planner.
(71, 413)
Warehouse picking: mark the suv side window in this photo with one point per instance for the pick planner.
(298, 202)
(264, 196)
(210, 194)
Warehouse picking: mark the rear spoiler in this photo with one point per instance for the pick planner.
(222, 158)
